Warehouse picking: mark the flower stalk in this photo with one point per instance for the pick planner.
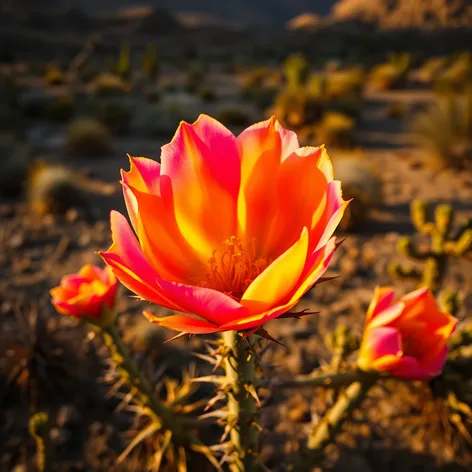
(326, 430)
(240, 364)
(140, 387)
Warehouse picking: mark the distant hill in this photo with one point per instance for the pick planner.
(407, 13)
(252, 12)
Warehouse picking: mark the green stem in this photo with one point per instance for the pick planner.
(326, 430)
(140, 387)
(316, 379)
(240, 367)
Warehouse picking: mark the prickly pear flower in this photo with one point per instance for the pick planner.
(88, 295)
(406, 338)
(229, 231)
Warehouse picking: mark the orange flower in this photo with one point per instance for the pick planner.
(232, 231)
(90, 294)
(406, 338)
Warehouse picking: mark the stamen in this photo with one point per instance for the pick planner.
(232, 269)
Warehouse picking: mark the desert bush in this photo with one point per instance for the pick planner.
(123, 66)
(345, 82)
(88, 138)
(362, 183)
(207, 94)
(457, 76)
(397, 110)
(109, 85)
(54, 189)
(336, 130)
(194, 78)
(444, 131)
(151, 62)
(53, 75)
(391, 74)
(431, 70)
(114, 113)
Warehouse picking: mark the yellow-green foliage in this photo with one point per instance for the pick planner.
(53, 75)
(362, 183)
(391, 74)
(445, 242)
(336, 130)
(345, 82)
(123, 67)
(457, 75)
(233, 115)
(151, 62)
(297, 108)
(54, 189)
(88, 138)
(109, 85)
(444, 131)
(296, 69)
(431, 70)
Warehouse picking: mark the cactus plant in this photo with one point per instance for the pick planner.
(123, 67)
(391, 74)
(336, 130)
(151, 62)
(114, 113)
(109, 85)
(444, 131)
(296, 71)
(88, 138)
(54, 189)
(445, 243)
(53, 75)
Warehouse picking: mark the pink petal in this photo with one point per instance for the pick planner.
(209, 304)
(383, 298)
(183, 323)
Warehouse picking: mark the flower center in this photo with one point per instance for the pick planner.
(232, 269)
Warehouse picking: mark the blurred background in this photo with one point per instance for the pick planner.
(385, 84)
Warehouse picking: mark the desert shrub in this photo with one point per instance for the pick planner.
(123, 66)
(88, 138)
(391, 74)
(362, 183)
(207, 94)
(194, 78)
(457, 76)
(53, 75)
(336, 130)
(151, 62)
(114, 113)
(54, 189)
(34, 102)
(345, 82)
(444, 131)
(109, 85)
(431, 70)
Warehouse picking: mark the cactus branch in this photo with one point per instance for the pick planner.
(240, 368)
(39, 429)
(141, 389)
(325, 431)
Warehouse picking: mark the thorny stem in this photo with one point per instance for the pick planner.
(140, 387)
(240, 368)
(325, 431)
